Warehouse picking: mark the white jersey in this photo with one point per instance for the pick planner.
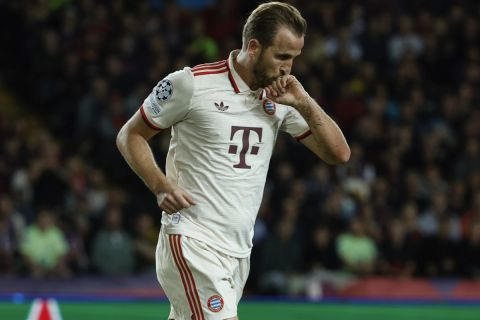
(223, 135)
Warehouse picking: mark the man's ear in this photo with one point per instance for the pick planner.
(254, 48)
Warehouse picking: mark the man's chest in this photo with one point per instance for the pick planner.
(237, 126)
(217, 114)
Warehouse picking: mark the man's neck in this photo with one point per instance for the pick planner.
(242, 65)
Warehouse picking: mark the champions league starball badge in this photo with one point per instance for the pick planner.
(164, 90)
(269, 107)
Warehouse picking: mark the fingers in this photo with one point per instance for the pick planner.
(167, 207)
(180, 200)
(291, 80)
(273, 92)
(176, 201)
(282, 83)
(190, 200)
(269, 92)
(278, 87)
(170, 205)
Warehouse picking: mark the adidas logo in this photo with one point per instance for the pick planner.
(221, 106)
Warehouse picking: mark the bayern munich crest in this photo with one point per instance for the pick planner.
(269, 107)
(215, 303)
(164, 90)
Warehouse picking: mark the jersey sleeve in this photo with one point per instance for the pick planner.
(295, 125)
(169, 101)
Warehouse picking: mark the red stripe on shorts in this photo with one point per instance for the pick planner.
(195, 292)
(186, 285)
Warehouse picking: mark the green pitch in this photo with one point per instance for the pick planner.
(255, 311)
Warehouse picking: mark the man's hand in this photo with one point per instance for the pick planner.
(327, 140)
(174, 200)
(287, 90)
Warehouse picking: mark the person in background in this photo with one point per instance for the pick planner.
(145, 242)
(356, 250)
(43, 247)
(113, 250)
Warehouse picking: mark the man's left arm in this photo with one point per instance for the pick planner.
(327, 140)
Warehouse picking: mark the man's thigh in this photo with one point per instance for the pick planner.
(198, 281)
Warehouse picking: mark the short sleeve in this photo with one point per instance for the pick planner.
(169, 101)
(295, 125)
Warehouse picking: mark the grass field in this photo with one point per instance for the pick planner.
(257, 311)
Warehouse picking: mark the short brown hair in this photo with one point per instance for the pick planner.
(264, 22)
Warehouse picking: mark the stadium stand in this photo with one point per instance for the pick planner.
(401, 78)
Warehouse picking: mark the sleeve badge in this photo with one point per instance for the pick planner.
(163, 90)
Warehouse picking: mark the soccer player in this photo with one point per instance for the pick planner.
(224, 118)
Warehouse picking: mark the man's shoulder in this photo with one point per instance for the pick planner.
(200, 74)
(209, 68)
(205, 78)
(176, 86)
(210, 75)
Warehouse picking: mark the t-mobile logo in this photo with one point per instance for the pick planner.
(245, 144)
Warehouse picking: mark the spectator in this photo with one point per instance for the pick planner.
(471, 215)
(321, 252)
(405, 40)
(145, 242)
(470, 251)
(356, 250)
(44, 247)
(12, 226)
(397, 252)
(277, 272)
(323, 265)
(429, 220)
(48, 179)
(7, 246)
(439, 252)
(113, 248)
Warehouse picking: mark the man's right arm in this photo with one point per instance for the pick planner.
(132, 141)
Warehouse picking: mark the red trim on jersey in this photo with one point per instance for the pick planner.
(210, 72)
(195, 291)
(183, 275)
(304, 135)
(209, 66)
(232, 80)
(151, 125)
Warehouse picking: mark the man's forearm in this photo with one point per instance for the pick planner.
(139, 156)
(330, 139)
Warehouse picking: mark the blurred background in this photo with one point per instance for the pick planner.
(401, 78)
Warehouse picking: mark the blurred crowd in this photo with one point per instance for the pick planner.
(401, 78)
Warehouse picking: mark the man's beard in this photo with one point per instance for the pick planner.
(261, 77)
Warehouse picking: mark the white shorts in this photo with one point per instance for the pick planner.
(200, 282)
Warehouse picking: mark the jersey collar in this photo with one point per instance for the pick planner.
(237, 82)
